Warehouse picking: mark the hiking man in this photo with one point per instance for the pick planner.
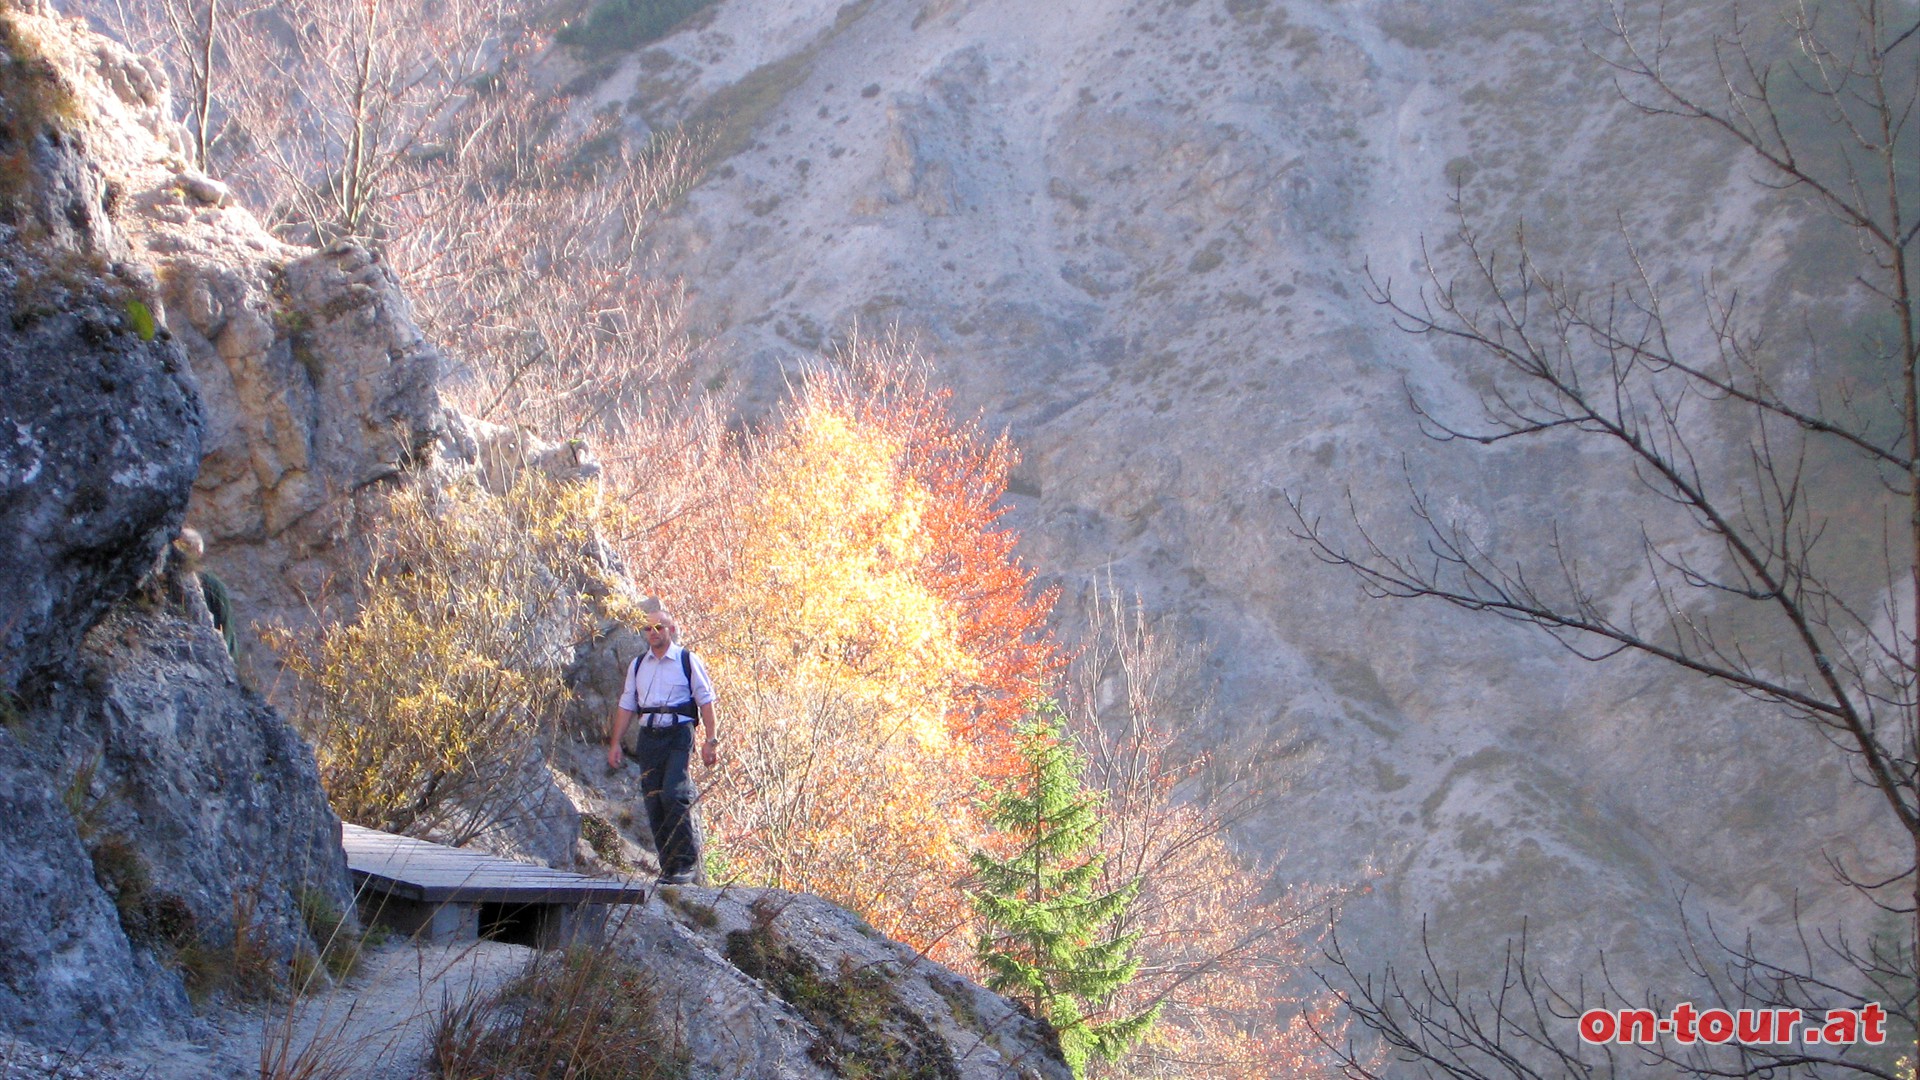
(190, 551)
(667, 694)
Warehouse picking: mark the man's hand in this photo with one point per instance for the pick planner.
(616, 730)
(709, 752)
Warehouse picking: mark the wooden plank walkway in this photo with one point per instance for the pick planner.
(434, 873)
(419, 887)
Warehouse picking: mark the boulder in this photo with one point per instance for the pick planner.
(785, 986)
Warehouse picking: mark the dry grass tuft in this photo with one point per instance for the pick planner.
(581, 1014)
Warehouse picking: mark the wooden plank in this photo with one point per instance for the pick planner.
(434, 873)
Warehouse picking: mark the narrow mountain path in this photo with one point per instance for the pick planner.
(376, 1025)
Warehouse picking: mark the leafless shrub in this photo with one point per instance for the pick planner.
(1222, 952)
(1758, 597)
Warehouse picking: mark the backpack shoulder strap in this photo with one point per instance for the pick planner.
(686, 668)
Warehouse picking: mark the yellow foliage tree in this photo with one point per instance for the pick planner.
(843, 664)
(828, 588)
(867, 624)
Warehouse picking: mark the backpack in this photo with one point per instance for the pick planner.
(687, 708)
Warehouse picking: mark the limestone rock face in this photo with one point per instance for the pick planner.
(218, 792)
(321, 391)
(148, 802)
(102, 433)
(317, 392)
(318, 387)
(152, 803)
(1139, 236)
(99, 429)
(315, 382)
(66, 966)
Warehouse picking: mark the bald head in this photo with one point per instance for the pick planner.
(191, 547)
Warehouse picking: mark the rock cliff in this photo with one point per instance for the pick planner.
(1138, 234)
(164, 360)
(151, 804)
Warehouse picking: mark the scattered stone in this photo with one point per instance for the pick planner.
(205, 190)
(25, 1061)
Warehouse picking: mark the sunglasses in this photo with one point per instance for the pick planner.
(654, 626)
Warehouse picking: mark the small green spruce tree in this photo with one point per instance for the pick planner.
(1047, 938)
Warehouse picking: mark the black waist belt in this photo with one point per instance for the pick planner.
(684, 713)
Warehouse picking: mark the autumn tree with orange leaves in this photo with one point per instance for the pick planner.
(845, 574)
(971, 563)
(875, 635)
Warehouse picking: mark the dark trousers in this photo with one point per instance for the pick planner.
(666, 786)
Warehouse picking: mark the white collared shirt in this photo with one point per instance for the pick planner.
(657, 681)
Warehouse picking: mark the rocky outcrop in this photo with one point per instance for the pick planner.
(783, 986)
(150, 806)
(315, 382)
(153, 809)
(99, 424)
(321, 383)
(101, 440)
(319, 388)
(317, 391)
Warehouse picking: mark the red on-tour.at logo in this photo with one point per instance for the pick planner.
(1748, 1027)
